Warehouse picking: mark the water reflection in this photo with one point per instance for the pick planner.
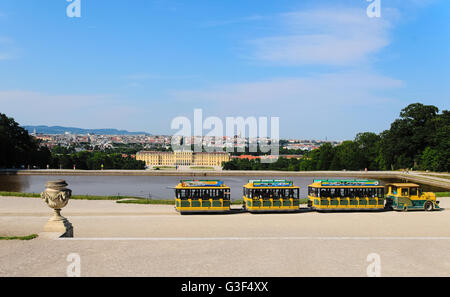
(14, 183)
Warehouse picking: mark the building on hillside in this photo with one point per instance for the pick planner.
(182, 158)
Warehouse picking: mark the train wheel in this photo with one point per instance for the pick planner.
(405, 208)
(428, 206)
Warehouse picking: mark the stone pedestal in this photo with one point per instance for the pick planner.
(61, 226)
(56, 195)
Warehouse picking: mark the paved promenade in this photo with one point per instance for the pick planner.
(153, 240)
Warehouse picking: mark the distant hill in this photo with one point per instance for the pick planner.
(62, 130)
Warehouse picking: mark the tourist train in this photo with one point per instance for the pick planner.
(271, 195)
(202, 196)
(213, 196)
(346, 195)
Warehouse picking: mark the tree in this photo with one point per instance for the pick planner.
(347, 156)
(369, 145)
(18, 148)
(429, 159)
(404, 142)
(326, 155)
(440, 150)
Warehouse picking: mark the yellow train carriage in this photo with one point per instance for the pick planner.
(271, 195)
(346, 195)
(197, 196)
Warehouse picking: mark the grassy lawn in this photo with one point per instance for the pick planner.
(304, 201)
(201, 168)
(170, 202)
(443, 194)
(17, 194)
(146, 201)
(163, 167)
(75, 197)
(29, 237)
(164, 202)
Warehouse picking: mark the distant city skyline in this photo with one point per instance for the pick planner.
(59, 130)
(324, 68)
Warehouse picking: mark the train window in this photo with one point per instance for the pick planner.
(413, 191)
(405, 192)
(366, 193)
(183, 194)
(262, 194)
(226, 195)
(253, 194)
(275, 193)
(350, 193)
(324, 193)
(335, 193)
(394, 190)
(206, 194)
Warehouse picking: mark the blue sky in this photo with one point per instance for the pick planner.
(323, 67)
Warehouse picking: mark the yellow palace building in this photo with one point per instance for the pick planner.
(182, 158)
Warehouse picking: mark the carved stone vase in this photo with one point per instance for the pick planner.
(56, 195)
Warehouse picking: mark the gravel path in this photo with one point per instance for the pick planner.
(153, 240)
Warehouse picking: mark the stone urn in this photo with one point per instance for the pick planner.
(56, 195)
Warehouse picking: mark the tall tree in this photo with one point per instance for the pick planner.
(408, 136)
(369, 146)
(18, 148)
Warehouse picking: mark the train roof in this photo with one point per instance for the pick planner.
(345, 183)
(196, 184)
(405, 185)
(270, 183)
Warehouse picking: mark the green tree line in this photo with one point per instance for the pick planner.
(418, 139)
(94, 161)
(18, 149)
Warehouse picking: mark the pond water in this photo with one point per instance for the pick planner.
(156, 187)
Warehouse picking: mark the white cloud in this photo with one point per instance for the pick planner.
(341, 103)
(331, 89)
(324, 37)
